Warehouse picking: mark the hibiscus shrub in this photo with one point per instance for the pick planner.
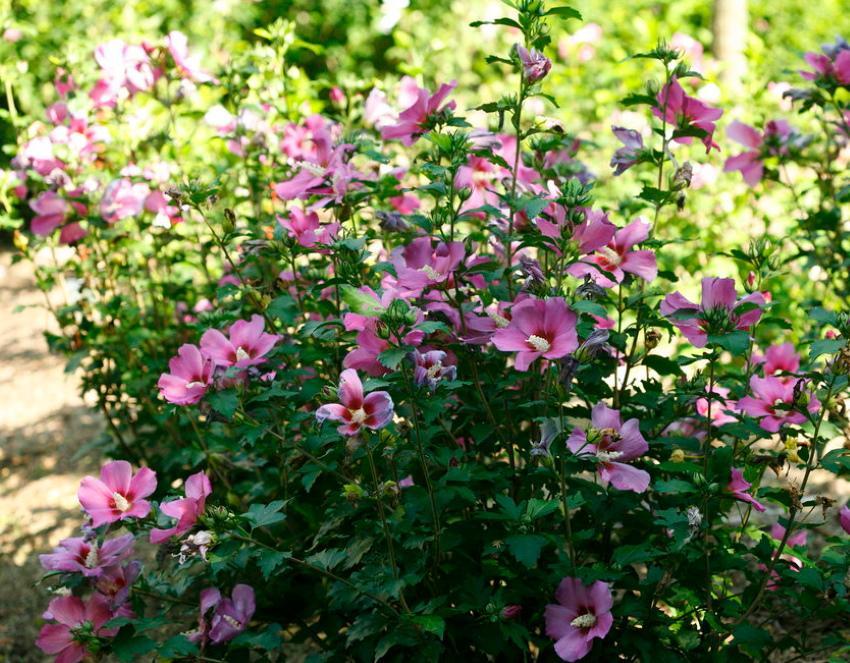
(387, 385)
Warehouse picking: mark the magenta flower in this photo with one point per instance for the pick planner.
(781, 359)
(186, 510)
(844, 518)
(306, 229)
(581, 614)
(833, 65)
(614, 444)
(118, 494)
(115, 582)
(627, 156)
(50, 212)
(739, 486)
(420, 264)
(189, 378)
(413, 122)
(354, 410)
(123, 199)
(720, 406)
(590, 235)
(76, 555)
(777, 531)
(188, 65)
(535, 65)
(247, 345)
(538, 328)
(717, 313)
(618, 257)
(70, 615)
(232, 615)
(774, 402)
(431, 367)
(684, 112)
(774, 142)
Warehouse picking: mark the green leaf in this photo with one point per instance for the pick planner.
(268, 640)
(177, 646)
(269, 560)
(360, 302)
(673, 486)
(224, 402)
(526, 548)
(662, 365)
(261, 515)
(538, 508)
(283, 308)
(826, 346)
(564, 12)
(128, 647)
(328, 559)
(430, 623)
(393, 357)
(642, 552)
(736, 342)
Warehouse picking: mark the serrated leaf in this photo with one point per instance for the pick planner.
(261, 515)
(564, 12)
(526, 548)
(224, 402)
(826, 346)
(393, 357)
(360, 302)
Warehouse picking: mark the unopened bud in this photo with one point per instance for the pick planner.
(677, 456)
(651, 339)
(682, 177)
(352, 492)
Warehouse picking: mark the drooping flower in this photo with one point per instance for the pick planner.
(583, 612)
(614, 444)
(356, 410)
(246, 343)
(684, 112)
(535, 65)
(118, 494)
(718, 313)
(618, 257)
(186, 510)
(627, 156)
(71, 615)
(775, 402)
(413, 122)
(431, 367)
(77, 555)
(189, 378)
(739, 486)
(777, 532)
(188, 65)
(209, 598)
(720, 406)
(538, 328)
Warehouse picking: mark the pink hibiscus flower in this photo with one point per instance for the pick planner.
(123, 199)
(614, 444)
(413, 122)
(626, 156)
(431, 367)
(118, 494)
(354, 410)
(684, 112)
(247, 345)
(720, 406)
(186, 510)
(716, 314)
(617, 258)
(188, 65)
(306, 228)
(71, 614)
(590, 235)
(581, 614)
(538, 328)
(535, 65)
(774, 403)
(781, 359)
(739, 486)
(420, 264)
(772, 142)
(77, 555)
(844, 518)
(189, 378)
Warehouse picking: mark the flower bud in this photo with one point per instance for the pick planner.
(512, 611)
(677, 456)
(682, 177)
(352, 492)
(651, 339)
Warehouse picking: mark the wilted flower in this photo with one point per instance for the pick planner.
(627, 156)
(185, 510)
(430, 368)
(739, 486)
(535, 65)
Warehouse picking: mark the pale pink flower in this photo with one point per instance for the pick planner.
(71, 614)
(421, 264)
(77, 555)
(619, 257)
(583, 612)
(186, 510)
(773, 402)
(780, 359)
(246, 344)
(118, 494)
(774, 142)
(356, 410)
(413, 122)
(684, 112)
(190, 376)
(739, 486)
(188, 65)
(717, 313)
(306, 228)
(614, 444)
(720, 406)
(538, 328)
(123, 199)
